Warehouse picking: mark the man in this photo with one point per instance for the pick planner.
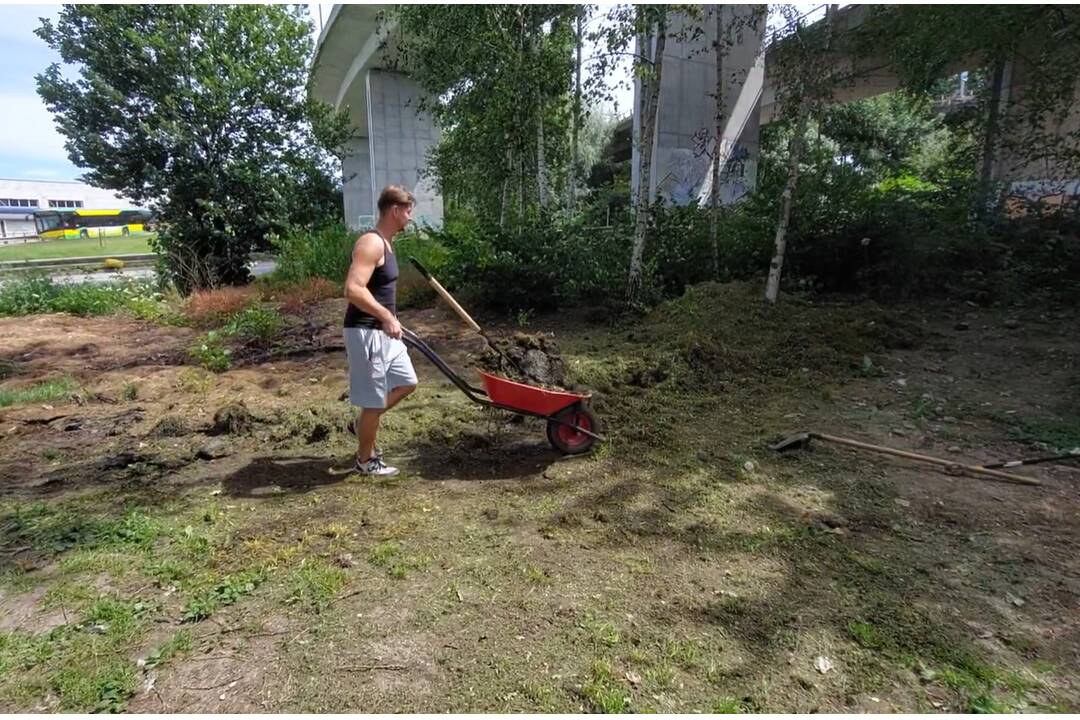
(380, 371)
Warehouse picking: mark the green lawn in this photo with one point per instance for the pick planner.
(82, 247)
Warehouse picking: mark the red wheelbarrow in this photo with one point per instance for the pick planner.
(571, 425)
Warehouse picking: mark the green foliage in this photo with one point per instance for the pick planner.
(255, 323)
(210, 352)
(226, 592)
(60, 528)
(178, 643)
(48, 391)
(500, 81)
(325, 252)
(316, 584)
(34, 294)
(200, 111)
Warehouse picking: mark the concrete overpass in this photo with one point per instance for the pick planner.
(683, 149)
(353, 71)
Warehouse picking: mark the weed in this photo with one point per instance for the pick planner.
(48, 391)
(682, 652)
(316, 584)
(255, 323)
(390, 555)
(865, 634)
(194, 381)
(536, 576)
(297, 297)
(206, 308)
(210, 352)
(130, 392)
(726, 706)
(660, 677)
(602, 692)
(226, 592)
(178, 643)
(601, 631)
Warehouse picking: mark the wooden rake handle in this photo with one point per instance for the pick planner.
(974, 469)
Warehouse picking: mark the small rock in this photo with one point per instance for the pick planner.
(633, 678)
(948, 419)
(345, 560)
(899, 432)
(823, 664)
(902, 502)
(962, 326)
(954, 448)
(1018, 602)
(902, 382)
(491, 513)
(748, 466)
(214, 448)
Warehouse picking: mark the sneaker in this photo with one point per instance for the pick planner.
(375, 466)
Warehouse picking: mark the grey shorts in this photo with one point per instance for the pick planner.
(377, 364)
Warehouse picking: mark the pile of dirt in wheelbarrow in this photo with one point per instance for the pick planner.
(536, 355)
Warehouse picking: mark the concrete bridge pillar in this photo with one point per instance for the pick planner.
(391, 137)
(684, 143)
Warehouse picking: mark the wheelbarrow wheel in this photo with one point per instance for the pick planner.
(568, 440)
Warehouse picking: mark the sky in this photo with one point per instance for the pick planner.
(30, 146)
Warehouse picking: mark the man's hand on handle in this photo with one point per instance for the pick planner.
(392, 328)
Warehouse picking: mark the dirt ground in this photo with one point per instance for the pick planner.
(151, 562)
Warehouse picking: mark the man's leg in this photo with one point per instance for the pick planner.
(369, 422)
(398, 394)
(369, 427)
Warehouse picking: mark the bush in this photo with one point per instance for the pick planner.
(36, 294)
(206, 308)
(296, 297)
(303, 254)
(255, 323)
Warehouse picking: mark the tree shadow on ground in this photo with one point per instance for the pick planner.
(880, 581)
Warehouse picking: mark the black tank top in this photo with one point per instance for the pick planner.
(383, 286)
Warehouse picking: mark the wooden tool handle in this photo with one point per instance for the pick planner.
(926, 458)
(454, 304)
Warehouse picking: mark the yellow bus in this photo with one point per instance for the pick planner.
(76, 223)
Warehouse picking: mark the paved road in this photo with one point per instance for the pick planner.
(258, 267)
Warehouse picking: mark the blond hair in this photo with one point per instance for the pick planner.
(394, 195)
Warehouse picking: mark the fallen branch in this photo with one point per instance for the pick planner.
(369, 668)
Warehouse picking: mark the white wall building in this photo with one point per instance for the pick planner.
(20, 198)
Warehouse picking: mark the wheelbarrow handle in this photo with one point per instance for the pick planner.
(448, 298)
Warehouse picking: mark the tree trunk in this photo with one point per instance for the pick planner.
(576, 127)
(772, 287)
(714, 199)
(986, 170)
(505, 187)
(541, 165)
(648, 131)
(810, 87)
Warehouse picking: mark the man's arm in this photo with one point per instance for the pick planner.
(367, 253)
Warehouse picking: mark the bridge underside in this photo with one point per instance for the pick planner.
(683, 145)
(391, 137)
